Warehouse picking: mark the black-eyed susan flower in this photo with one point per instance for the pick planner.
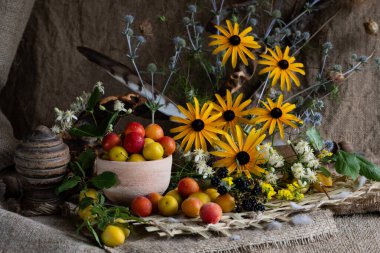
(242, 156)
(233, 111)
(281, 67)
(199, 126)
(235, 43)
(275, 114)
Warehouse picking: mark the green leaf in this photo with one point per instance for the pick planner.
(94, 99)
(347, 164)
(325, 171)
(368, 169)
(68, 184)
(92, 230)
(104, 125)
(85, 202)
(86, 159)
(84, 130)
(105, 180)
(315, 138)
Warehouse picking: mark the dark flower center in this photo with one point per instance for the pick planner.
(229, 115)
(276, 113)
(243, 157)
(198, 125)
(283, 64)
(235, 40)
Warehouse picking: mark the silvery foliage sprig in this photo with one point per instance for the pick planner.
(134, 42)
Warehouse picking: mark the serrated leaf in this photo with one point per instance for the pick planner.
(68, 184)
(325, 171)
(315, 138)
(368, 169)
(105, 180)
(347, 164)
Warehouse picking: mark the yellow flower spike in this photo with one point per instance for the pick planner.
(275, 114)
(281, 67)
(242, 156)
(235, 43)
(199, 126)
(233, 111)
(228, 180)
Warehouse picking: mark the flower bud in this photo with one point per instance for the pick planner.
(102, 108)
(141, 39)
(252, 9)
(276, 14)
(128, 32)
(371, 27)
(129, 19)
(152, 68)
(336, 77)
(186, 20)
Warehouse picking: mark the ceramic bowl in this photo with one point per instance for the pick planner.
(135, 178)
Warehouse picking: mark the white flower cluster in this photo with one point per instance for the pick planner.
(119, 106)
(271, 176)
(200, 158)
(64, 119)
(271, 155)
(303, 170)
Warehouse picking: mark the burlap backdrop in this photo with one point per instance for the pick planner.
(48, 71)
(13, 18)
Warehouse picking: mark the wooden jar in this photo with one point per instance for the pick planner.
(41, 161)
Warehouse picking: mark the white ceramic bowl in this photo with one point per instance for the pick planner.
(135, 178)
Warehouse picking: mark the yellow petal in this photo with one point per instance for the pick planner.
(220, 48)
(182, 134)
(266, 70)
(236, 29)
(282, 80)
(279, 101)
(180, 120)
(248, 53)
(229, 99)
(276, 77)
(302, 72)
(294, 78)
(281, 128)
(179, 129)
(264, 62)
(259, 111)
(272, 126)
(286, 53)
(203, 141)
(226, 56)
(269, 58)
(245, 32)
(239, 135)
(238, 100)
(279, 53)
(219, 42)
(274, 55)
(242, 56)
(186, 112)
(196, 103)
(190, 142)
(223, 30)
(234, 57)
(230, 27)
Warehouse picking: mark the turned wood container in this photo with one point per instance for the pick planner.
(41, 161)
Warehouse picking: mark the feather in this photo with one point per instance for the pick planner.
(295, 206)
(235, 238)
(173, 220)
(128, 78)
(302, 219)
(361, 182)
(274, 225)
(341, 195)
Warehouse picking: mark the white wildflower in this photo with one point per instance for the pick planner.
(203, 169)
(302, 184)
(314, 163)
(311, 176)
(60, 114)
(69, 116)
(119, 106)
(200, 155)
(100, 87)
(80, 103)
(298, 170)
(129, 110)
(276, 160)
(302, 147)
(56, 129)
(271, 178)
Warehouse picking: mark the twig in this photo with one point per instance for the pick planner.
(314, 34)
